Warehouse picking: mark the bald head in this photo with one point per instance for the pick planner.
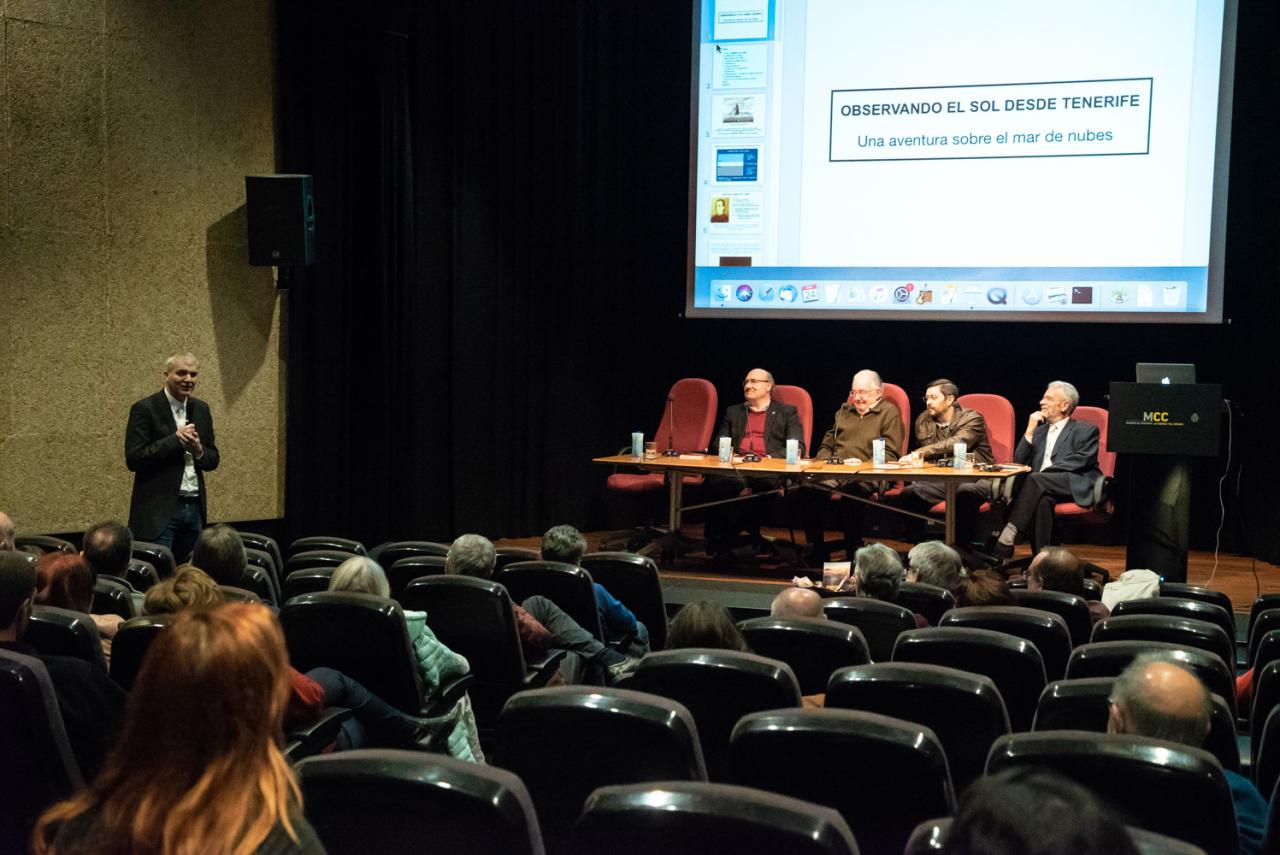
(1056, 568)
(797, 603)
(757, 387)
(6, 532)
(1161, 699)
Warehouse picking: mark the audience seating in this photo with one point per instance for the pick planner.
(964, 710)
(1012, 663)
(633, 579)
(473, 617)
(1268, 649)
(929, 601)
(130, 646)
(1086, 705)
(931, 837)
(696, 818)
(326, 543)
(881, 623)
(1266, 692)
(718, 687)
(112, 596)
(694, 419)
(308, 580)
(1264, 622)
(316, 738)
(232, 594)
(1110, 658)
(63, 632)
(389, 553)
(264, 561)
(567, 586)
(1072, 608)
(313, 558)
(1197, 592)
(1185, 632)
(567, 741)
(1092, 590)
(39, 768)
(1271, 840)
(14, 555)
(1162, 786)
(386, 802)
(253, 540)
(1183, 608)
(42, 544)
(1261, 604)
(814, 648)
(883, 774)
(158, 556)
(256, 580)
(405, 570)
(364, 637)
(1265, 749)
(141, 575)
(1045, 630)
(511, 554)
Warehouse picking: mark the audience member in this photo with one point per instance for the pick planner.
(703, 623)
(878, 573)
(1056, 568)
(984, 588)
(108, 547)
(198, 767)
(66, 581)
(543, 625)
(92, 705)
(7, 533)
(188, 588)
(797, 603)
(1032, 811)
(935, 563)
(1161, 699)
(219, 551)
(622, 631)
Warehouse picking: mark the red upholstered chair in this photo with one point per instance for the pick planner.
(1001, 431)
(897, 396)
(1103, 506)
(797, 397)
(694, 416)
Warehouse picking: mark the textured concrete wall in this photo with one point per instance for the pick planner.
(127, 128)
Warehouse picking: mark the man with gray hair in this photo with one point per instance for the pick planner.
(1063, 455)
(878, 574)
(1157, 698)
(797, 603)
(6, 532)
(169, 445)
(934, 563)
(866, 417)
(220, 552)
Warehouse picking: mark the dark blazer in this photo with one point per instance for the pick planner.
(781, 423)
(1076, 452)
(154, 454)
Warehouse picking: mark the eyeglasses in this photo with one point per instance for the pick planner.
(751, 381)
(862, 393)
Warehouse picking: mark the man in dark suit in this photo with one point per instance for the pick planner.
(1063, 455)
(759, 426)
(169, 445)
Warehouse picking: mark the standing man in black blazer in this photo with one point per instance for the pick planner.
(169, 445)
(1063, 455)
(760, 426)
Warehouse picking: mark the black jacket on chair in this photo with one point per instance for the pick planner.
(155, 455)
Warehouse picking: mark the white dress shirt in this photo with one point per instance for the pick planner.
(1050, 440)
(190, 484)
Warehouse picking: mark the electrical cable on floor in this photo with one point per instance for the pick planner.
(1222, 505)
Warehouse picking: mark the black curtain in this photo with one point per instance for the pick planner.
(502, 196)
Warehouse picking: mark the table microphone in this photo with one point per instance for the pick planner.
(835, 442)
(671, 428)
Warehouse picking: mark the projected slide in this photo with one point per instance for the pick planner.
(985, 159)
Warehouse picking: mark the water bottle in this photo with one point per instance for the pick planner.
(793, 452)
(726, 449)
(637, 444)
(877, 452)
(960, 456)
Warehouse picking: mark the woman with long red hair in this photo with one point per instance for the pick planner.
(66, 581)
(198, 768)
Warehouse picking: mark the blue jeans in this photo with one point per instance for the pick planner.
(373, 720)
(183, 529)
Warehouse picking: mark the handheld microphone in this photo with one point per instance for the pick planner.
(671, 428)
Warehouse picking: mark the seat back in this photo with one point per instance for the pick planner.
(1185, 632)
(694, 818)
(389, 553)
(1072, 608)
(1086, 705)
(931, 837)
(473, 618)
(129, 647)
(1045, 630)
(327, 543)
(823, 756)
(1264, 623)
(1184, 608)
(405, 570)
(112, 596)
(633, 579)
(256, 580)
(930, 601)
(1110, 658)
(232, 594)
(964, 710)
(813, 647)
(898, 396)
(567, 586)
(718, 687)
(1157, 785)
(1265, 749)
(1266, 692)
(617, 737)
(1012, 663)
(881, 623)
(63, 632)
(1097, 416)
(263, 560)
(380, 802)
(157, 555)
(308, 580)
(1263, 603)
(39, 768)
(315, 558)
(798, 397)
(141, 575)
(694, 415)
(511, 554)
(1196, 592)
(998, 413)
(363, 636)
(42, 544)
(266, 543)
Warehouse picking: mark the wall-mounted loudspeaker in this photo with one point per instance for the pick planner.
(282, 219)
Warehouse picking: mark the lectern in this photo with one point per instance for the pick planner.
(1162, 426)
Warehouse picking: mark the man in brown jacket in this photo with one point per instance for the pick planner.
(942, 424)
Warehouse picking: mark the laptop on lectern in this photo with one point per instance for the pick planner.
(1166, 373)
